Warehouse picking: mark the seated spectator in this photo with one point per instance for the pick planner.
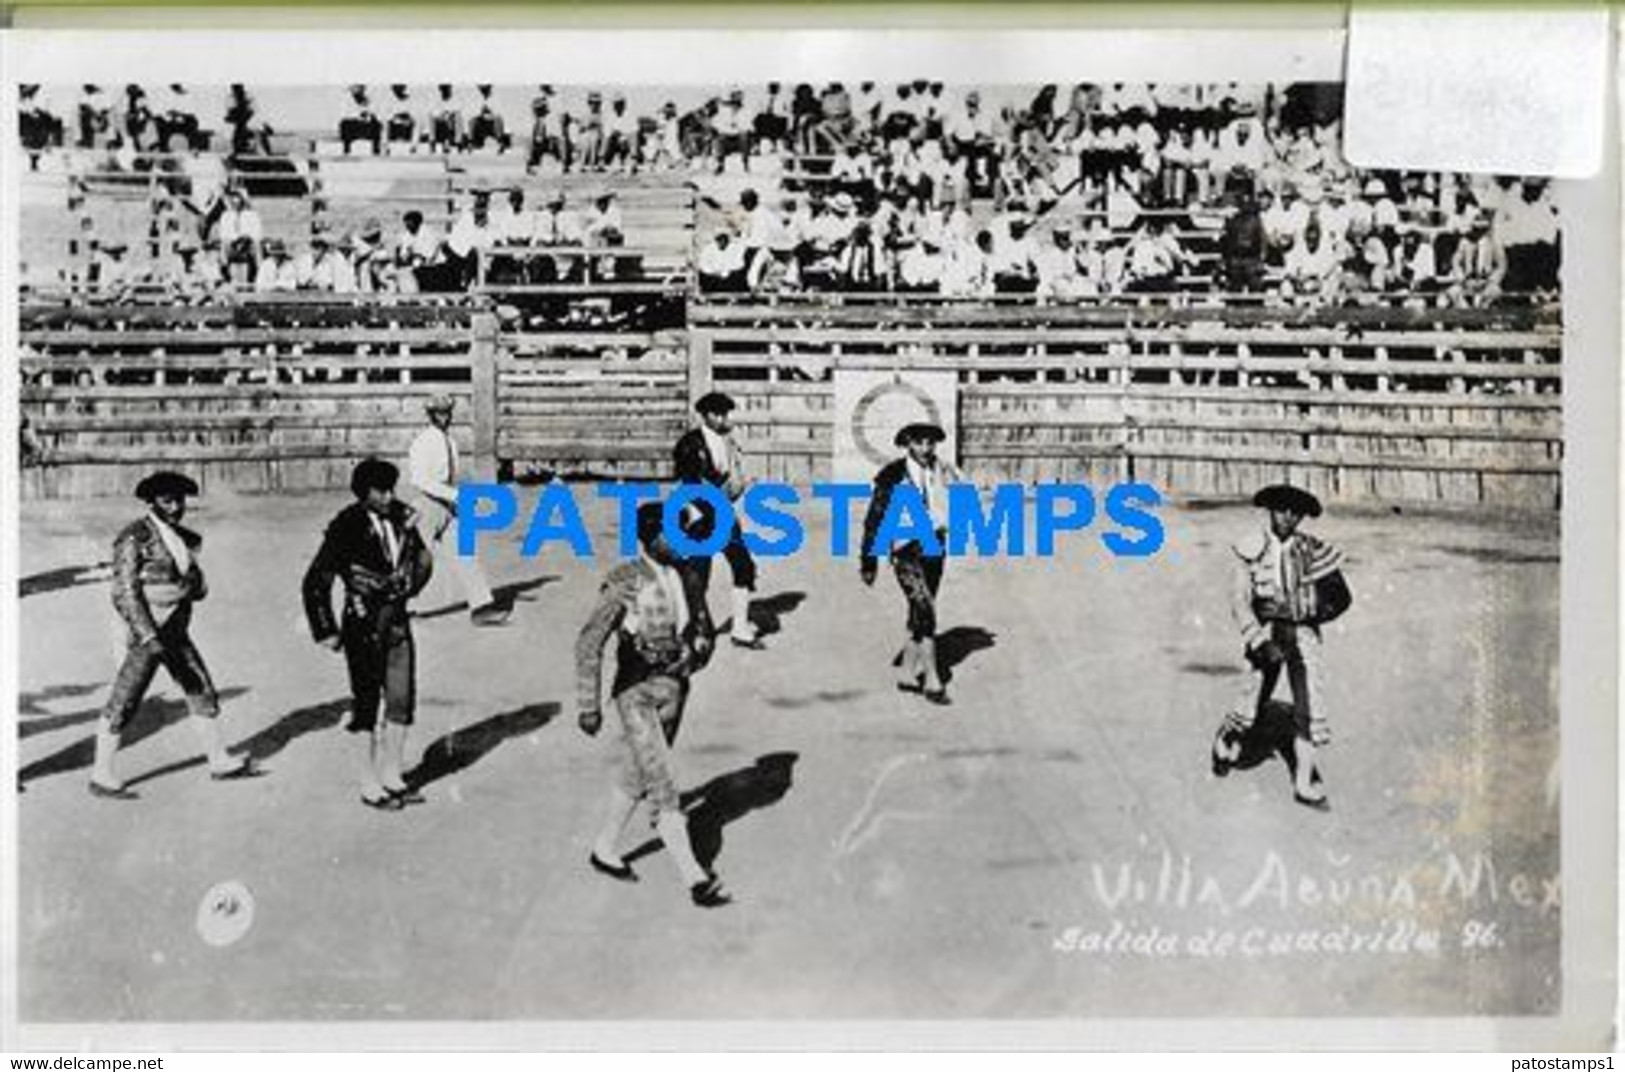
(970, 137)
(1243, 144)
(1155, 260)
(276, 271)
(771, 124)
(721, 265)
(401, 128)
(37, 126)
(1284, 223)
(547, 133)
(204, 179)
(325, 268)
(603, 225)
(247, 137)
(898, 120)
(1384, 212)
(446, 130)
(1371, 268)
(968, 272)
(240, 234)
(921, 265)
(860, 263)
(853, 173)
(663, 151)
(111, 275)
(1416, 266)
(361, 124)
(417, 246)
(1243, 247)
(190, 274)
(370, 261)
(95, 116)
(732, 128)
(558, 225)
(1478, 264)
(139, 131)
(1012, 262)
(487, 128)
(806, 116)
(1332, 214)
(622, 133)
(511, 222)
(837, 127)
(1056, 267)
(175, 114)
(584, 132)
(472, 238)
(1311, 267)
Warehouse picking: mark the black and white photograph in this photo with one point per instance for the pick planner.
(1220, 678)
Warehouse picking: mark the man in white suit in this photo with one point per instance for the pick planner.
(435, 468)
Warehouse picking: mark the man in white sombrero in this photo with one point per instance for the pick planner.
(1287, 585)
(156, 580)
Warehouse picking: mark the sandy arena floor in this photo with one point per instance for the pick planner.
(1052, 845)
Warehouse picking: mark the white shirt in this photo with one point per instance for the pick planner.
(928, 482)
(386, 534)
(721, 448)
(172, 543)
(432, 464)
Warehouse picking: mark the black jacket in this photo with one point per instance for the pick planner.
(375, 593)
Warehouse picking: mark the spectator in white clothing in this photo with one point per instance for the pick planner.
(434, 468)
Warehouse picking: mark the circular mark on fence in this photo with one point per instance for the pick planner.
(225, 914)
(893, 405)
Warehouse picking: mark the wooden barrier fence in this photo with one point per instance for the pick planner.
(273, 395)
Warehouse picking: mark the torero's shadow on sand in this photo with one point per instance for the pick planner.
(153, 716)
(728, 797)
(767, 614)
(1270, 738)
(954, 646)
(267, 742)
(55, 580)
(466, 746)
(504, 597)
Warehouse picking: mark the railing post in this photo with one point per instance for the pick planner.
(699, 364)
(483, 406)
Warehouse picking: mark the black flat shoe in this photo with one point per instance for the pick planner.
(97, 789)
(915, 687)
(620, 873)
(938, 697)
(383, 803)
(247, 770)
(1317, 803)
(753, 644)
(407, 795)
(709, 894)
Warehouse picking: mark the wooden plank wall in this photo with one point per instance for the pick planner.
(1403, 411)
(240, 408)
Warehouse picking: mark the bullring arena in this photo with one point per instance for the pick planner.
(1054, 843)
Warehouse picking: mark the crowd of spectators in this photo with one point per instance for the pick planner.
(1062, 193)
(197, 252)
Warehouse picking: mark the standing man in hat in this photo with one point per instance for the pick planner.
(708, 455)
(1287, 585)
(434, 468)
(664, 636)
(156, 580)
(374, 549)
(918, 568)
